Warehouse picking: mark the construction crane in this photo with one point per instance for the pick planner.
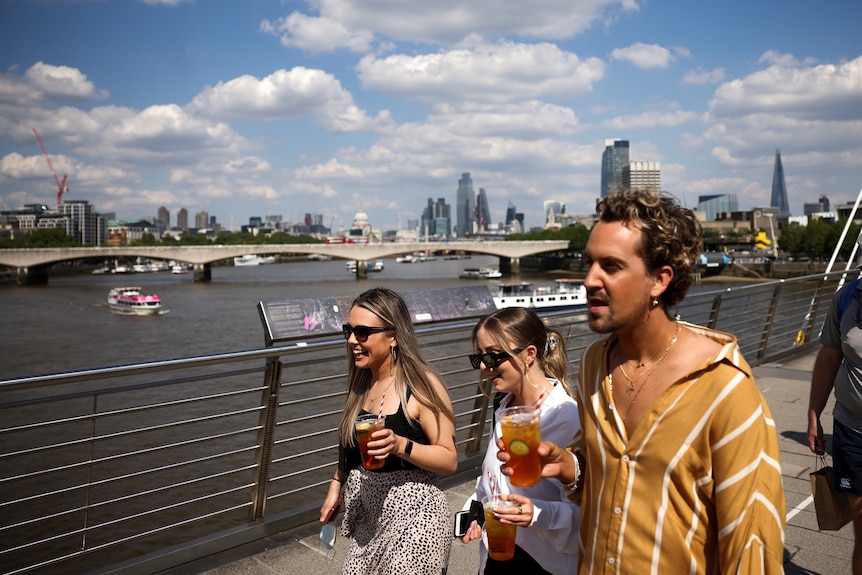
(61, 185)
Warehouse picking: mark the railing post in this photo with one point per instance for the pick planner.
(767, 329)
(713, 313)
(811, 317)
(477, 424)
(265, 435)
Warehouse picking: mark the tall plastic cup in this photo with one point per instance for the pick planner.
(521, 436)
(367, 424)
(501, 536)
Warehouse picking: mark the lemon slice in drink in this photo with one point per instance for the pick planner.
(519, 447)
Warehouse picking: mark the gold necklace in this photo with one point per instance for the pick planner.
(630, 386)
(672, 341)
(376, 397)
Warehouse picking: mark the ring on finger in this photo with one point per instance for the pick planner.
(520, 511)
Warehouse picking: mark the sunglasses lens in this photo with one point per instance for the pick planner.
(491, 360)
(361, 332)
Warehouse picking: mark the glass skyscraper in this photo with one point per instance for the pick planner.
(614, 158)
(483, 212)
(717, 204)
(779, 187)
(464, 207)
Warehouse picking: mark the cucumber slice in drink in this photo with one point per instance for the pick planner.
(519, 447)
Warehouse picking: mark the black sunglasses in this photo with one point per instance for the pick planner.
(491, 360)
(361, 331)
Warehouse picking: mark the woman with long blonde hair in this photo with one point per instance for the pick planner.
(397, 515)
(526, 363)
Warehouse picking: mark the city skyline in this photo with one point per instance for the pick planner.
(249, 109)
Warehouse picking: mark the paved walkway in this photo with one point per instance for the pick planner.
(807, 550)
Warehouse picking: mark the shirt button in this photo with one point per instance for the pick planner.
(611, 561)
(617, 510)
(625, 458)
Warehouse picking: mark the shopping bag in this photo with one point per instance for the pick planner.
(833, 511)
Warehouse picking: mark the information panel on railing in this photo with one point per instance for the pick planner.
(293, 319)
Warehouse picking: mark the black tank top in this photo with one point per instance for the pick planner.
(349, 458)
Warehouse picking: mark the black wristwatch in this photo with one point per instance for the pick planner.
(409, 449)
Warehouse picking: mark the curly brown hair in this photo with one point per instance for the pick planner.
(671, 234)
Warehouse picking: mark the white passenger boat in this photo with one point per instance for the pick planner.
(130, 300)
(480, 273)
(566, 293)
(375, 266)
(253, 260)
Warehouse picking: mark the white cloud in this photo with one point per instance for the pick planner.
(285, 94)
(14, 166)
(649, 56)
(57, 82)
(699, 76)
(440, 22)
(44, 83)
(504, 72)
(317, 34)
(818, 92)
(527, 120)
(652, 119)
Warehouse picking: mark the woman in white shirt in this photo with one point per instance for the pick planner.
(526, 363)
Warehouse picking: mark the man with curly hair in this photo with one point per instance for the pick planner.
(677, 463)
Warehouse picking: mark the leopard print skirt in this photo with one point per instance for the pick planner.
(400, 523)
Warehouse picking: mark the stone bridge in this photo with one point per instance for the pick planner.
(33, 264)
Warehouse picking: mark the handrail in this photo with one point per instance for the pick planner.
(143, 467)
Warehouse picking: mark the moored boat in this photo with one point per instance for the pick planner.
(375, 266)
(253, 260)
(131, 301)
(480, 273)
(567, 293)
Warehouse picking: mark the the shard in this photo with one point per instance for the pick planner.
(779, 187)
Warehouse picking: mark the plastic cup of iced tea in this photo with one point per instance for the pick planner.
(521, 436)
(367, 424)
(501, 536)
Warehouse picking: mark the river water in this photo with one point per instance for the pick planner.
(67, 325)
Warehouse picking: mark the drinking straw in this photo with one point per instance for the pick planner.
(539, 401)
(380, 411)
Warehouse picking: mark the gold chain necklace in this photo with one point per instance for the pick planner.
(630, 386)
(376, 397)
(649, 372)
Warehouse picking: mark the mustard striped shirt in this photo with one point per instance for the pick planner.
(696, 489)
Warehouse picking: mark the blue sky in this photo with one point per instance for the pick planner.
(254, 107)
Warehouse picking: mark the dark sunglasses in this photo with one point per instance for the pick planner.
(491, 360)
(361, 331)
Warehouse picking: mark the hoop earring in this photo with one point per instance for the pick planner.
(394, 352)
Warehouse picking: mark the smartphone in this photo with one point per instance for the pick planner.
(464, 518)
(462, 523)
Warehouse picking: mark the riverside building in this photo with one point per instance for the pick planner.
(614, 159)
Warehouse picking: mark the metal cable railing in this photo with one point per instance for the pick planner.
(138, 468)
